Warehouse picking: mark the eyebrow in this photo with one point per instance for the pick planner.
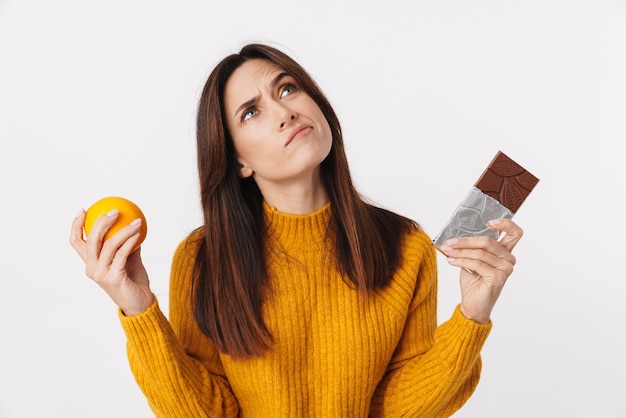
(253, 100)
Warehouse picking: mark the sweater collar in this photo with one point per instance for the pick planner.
(296, 230)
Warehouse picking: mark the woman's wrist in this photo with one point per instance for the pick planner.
(140, 308)
(481, 318)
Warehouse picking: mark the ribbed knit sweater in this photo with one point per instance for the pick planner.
(335, 353)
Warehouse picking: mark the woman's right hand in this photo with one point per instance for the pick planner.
(113, 264)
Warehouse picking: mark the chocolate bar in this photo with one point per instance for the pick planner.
(498, 194)
(507, 182)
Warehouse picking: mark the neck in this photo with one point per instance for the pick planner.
(298, 198)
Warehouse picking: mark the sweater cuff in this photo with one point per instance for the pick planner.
(462, 339)
(459, 325)
(137, 325)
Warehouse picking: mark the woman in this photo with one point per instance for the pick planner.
(296, 297)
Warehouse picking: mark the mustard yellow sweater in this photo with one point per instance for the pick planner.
(334, 354)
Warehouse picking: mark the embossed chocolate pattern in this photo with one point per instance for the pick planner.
(507, 182)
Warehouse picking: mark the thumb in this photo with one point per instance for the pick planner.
(510, 232)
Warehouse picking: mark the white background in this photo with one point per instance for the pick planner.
(98, 98)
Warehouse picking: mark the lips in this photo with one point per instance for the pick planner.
(298, 133)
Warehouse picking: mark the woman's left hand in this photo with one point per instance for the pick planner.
(485, 266)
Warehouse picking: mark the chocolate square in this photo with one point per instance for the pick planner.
(507, 182)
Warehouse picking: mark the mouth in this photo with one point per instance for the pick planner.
(298, 132)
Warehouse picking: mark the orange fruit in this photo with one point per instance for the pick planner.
(128, 212)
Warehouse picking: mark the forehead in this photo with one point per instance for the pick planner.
(249, 78)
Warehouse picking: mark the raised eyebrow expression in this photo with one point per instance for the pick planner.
(253, 100)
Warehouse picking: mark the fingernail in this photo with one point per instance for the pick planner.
(494, 222)
(452, 242)
(112, 213)
(136, 222)
(80, 212)
(446, 249)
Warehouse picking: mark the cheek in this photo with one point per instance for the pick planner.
(254, 152)
(328, 134)
(323, 122)
(243, 150)
(247, 156)
(244, 141)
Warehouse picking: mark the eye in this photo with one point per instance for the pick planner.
(248, 114)
(287, 89)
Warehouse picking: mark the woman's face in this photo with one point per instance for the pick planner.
(280, 134)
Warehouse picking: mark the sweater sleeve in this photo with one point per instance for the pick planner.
(179, 376)
(434, 370)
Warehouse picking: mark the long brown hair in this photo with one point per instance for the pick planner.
(230, 271)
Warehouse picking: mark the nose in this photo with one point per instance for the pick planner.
(287, 117)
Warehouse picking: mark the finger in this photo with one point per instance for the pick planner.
(512, 233)
(97, 233)
(118, 247)
(128, 238)
(467, 244)
(493, 255)
(76, 234)
(495, 274)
